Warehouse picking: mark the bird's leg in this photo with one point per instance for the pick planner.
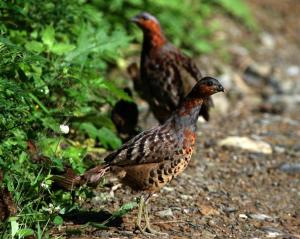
(140, 212)
(147, 220)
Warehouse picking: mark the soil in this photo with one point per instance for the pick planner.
(231, 192)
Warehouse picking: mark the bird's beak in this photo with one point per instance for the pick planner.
(135, 19)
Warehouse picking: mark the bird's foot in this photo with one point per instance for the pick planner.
(144, 231)
(154, 232)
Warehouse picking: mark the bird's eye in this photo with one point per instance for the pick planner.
(209, 83)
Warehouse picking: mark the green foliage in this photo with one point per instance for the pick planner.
(238, 9)
(188, 23)
(55, 61)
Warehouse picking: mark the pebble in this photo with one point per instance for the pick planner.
(290, 167)
(168, 189)
(293, 70)
(229, 209)
(246, 143)
(260, 217)
(165, 213)
(212, 223)
(207, 210)
(272, 232)
(279, 149)
(186, 197)
(243, 216)
(186, 210)
(268, 40)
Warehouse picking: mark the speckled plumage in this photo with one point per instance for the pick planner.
(154, 157)
(166, 74)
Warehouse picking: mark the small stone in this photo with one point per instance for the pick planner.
(293, 70)
(168, 189)
(165, 213)
(186, 197)
(268, 40)
(212, 223)
(243, 216)
(260, 217)
(290, 167)
(207, 210)
(246, 143)
(272, 232)
(279, 149)
(261, 68)
(186, 210)
(229, 209)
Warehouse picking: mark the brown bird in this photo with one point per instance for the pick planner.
(166, 74)
(154, 157)
(125, 116)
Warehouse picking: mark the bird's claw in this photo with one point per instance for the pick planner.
(154, 232)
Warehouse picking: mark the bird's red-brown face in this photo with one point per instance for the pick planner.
(147, 22)
(207, 86)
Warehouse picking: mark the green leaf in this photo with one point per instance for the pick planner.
(124, 209)
(61, 48)
(50, 147)
(58, 220)
(39, 231)
(90, 129)
(25, 232)
(14, 226)
(40, 104)
(111, 87)
(34, 46)
(239, 8)
(48, 36)
(108, 138)
(105, 135)
(204, 46)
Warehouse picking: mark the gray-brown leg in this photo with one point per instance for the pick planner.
(139, 216)
(147, 220)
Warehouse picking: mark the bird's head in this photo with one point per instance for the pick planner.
(206, 86)
(146, 22)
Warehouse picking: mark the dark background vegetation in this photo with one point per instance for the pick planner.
(55, 63)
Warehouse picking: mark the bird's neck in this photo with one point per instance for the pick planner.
(154, 38)
(187, 114)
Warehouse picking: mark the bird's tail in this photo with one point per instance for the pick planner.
(69, 180)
